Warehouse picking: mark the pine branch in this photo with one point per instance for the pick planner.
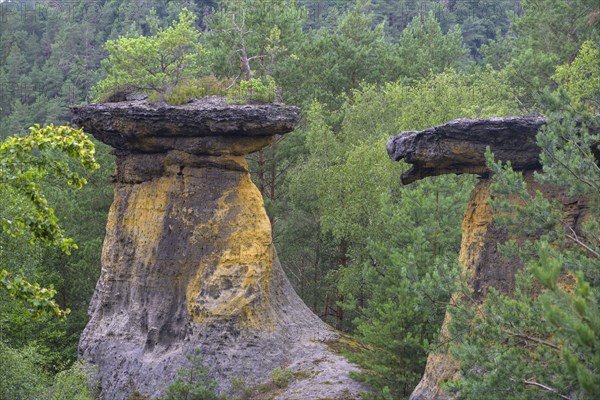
(584, 153)
(570, 170)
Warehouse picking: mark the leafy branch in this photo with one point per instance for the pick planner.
(24, 160)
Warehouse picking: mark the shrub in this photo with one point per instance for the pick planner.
(261, 90)
(197, 88)
(153, 64)
(281, 377)
(73, 384)
(193, 383)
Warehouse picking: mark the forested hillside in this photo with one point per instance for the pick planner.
(369, 256)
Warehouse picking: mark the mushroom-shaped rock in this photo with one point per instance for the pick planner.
(188, 260)
(458, 147)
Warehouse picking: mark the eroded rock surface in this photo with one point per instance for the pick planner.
(459, 147)
(208, 126)
(188, 260)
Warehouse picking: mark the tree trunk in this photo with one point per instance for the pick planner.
(339, 313)
(261, 173)
(342, 262)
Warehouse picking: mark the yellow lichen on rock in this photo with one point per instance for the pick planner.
(476, 222)
(485, 266)
(147, 204)
(188, 261)
(237, 273)
(144, 217)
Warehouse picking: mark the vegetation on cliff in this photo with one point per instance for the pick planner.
(366, 254)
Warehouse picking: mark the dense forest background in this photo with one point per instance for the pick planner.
(369, 256)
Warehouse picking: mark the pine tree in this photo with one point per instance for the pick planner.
(425, 50)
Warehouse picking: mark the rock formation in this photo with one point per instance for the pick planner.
(458, 147)
(188, 260)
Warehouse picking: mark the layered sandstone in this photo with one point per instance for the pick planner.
(458, 147)
(188, 260)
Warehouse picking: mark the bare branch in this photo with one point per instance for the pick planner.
(576, 239)
(253, 57)
(532, 339)
(546, 388)
(233, 83)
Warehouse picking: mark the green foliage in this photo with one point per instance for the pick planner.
(75, 276)
(350, 237)
(169, 65)
(367, 119)
(193, 383)
(403, 318)
(240, 390)
(568, 153)
(255, 90)
(540, 40)
(40, 300)
(24, 160)
(265, 33)
(22, 166)
(261, 90)
(73, 384)
(389, 250)
(581, 78)
(516, 343)
(480, 21)
(187, 90)
(21, 378)
(542, 27)
(568, 157)
(154, 63)
(353, 49)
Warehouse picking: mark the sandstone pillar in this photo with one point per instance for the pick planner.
(188, 260)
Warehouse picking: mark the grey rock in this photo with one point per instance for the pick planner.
(208, 126)
(458, 147)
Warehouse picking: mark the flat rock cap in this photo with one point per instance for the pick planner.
(458, 147)
(207, 126)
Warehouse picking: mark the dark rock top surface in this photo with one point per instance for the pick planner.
(458, 147)
(208, 126)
